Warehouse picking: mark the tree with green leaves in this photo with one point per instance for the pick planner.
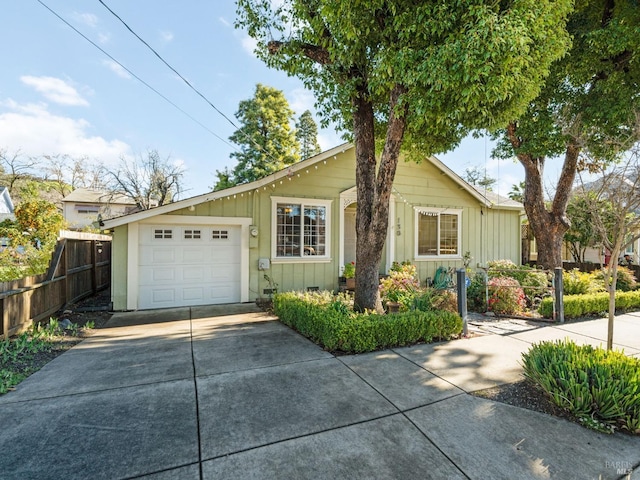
(266, 139)
(404, 75)
(478, 177)
(613, 202)
(582, 233)
(589, 105)
(517, 192)
(307, 135)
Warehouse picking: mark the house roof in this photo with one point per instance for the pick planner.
(292, 169)
(87, 195)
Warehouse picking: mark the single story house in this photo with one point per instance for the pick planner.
(82, 206)
(296, 229)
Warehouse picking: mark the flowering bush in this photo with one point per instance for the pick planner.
(349, 270)
(506, 297)
(402, 280)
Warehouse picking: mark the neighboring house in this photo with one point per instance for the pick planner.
(296, 229)
(6, 205)
(82, 207)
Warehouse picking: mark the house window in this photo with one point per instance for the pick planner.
(88, 208)
(192, 234)
(161, 233)
(220, 234)
(301, 228)
(438, 232)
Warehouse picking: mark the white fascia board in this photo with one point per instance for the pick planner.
(207, 197)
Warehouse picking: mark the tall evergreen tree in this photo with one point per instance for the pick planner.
(307, 135)
(266, 140)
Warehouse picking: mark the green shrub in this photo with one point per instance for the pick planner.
(600, 387)
(625, 282)
(506, 297)
(401, 283)
(591, 304)
(331, 322)
(477, 294)
(575, 282)
(533, 282)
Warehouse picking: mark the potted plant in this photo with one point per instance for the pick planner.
(349, 273)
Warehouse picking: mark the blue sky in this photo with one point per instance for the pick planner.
(61, 95)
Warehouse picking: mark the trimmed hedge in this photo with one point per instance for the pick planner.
(333, 325)
(601, 388)
(591, 304)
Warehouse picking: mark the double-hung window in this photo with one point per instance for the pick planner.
(437, 232)
(300, 228)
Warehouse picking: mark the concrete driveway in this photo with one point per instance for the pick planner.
(230, 393)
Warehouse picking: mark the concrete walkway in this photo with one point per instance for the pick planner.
(230, 393)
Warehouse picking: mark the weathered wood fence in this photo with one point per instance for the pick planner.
(80, 267)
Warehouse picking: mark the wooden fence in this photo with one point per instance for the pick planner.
(80, 267)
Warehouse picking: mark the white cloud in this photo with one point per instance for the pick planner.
(55, 90)
(104, 38)
(116, 68)
(88, 19)
(166, 36)
(301, 100)
(249, 44)
(35, 131)
(224, 21)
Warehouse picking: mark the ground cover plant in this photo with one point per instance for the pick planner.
(330, 321)
(26, 353)
(600, 388)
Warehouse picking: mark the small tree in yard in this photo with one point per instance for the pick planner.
(582, 234)
(406, 75)
(614, 203)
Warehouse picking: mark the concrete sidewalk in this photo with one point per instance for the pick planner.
(229, 392)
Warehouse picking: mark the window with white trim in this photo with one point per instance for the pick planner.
(437, 232)
(300, 228)
(219, 234)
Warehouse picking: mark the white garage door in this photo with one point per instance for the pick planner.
(189, 265)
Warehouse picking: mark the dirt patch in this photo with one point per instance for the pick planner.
(524, 394)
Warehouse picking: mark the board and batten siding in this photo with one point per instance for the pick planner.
(488, 233)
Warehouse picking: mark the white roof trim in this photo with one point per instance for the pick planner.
(172, 207)
(207, 197)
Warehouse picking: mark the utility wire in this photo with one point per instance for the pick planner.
(167, 64)
(200, 94)
(136, 76)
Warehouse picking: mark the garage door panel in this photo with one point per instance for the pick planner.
(194, 294)
(192, 273)
(182, 270)
(163, 295)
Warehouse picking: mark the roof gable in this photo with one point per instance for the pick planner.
(292, 170)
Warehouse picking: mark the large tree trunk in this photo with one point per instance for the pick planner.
(548, 225)
(374, 192)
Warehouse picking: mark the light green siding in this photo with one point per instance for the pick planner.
(119, 260)
(488, 233)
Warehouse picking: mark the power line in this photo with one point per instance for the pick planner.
(200, 94)
(136, 76)
(167, 64)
